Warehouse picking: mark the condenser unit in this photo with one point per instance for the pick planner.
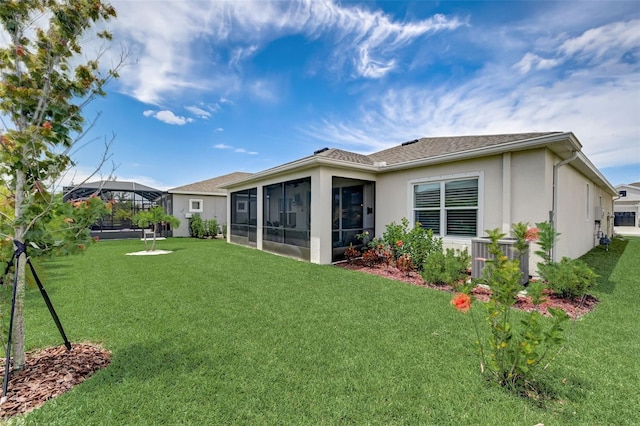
(480, 250)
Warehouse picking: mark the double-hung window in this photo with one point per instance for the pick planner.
(448, 207)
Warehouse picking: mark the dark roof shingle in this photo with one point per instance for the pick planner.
(211, 185)
(433, 147)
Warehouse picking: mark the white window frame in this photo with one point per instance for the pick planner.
(442, 179)
(196, 200)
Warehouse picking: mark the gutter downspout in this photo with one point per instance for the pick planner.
(554, 205)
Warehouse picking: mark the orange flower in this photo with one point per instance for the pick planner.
(47, 125)
(399, 243)
(461, 302)
(532, 234)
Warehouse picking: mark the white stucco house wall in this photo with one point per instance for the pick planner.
(313, 207)
(206, 198)
(627, 205)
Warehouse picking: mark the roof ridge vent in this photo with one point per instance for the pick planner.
(409, 142)
(320, 151)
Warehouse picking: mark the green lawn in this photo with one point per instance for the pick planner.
(218, 334)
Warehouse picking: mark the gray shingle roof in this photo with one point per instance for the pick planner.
(211, 185)
(432, 147)
(352, 157)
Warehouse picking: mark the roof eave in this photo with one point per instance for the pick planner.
(300, 165)
(521, 145)
(183, 192)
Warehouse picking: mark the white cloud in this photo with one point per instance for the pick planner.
(598, 101)
(592, 46)
(168, 117)
(163, 46)
(197, 111)
(244, 151)
(599, 41)
(531, 60)
(219, 129)
(237, 150)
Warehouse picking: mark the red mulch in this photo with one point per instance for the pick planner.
(575, 308)
(49, 373)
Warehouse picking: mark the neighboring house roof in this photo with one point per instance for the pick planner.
(438, 150)
(86, 189)
(632, 196)
(211, 186)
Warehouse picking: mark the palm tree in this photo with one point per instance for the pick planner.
(156, 216)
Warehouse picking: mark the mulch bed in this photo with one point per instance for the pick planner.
(575, 308)
(49, 373)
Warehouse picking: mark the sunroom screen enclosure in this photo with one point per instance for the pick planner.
(352, 206)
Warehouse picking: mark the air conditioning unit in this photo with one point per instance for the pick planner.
(480, 250)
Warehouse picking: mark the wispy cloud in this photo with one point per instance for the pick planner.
(199, 112)
(168, 117)
(165, 62)
(594, 99)
(593, 47)
(234, 149)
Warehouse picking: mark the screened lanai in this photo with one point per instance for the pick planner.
(126, 199)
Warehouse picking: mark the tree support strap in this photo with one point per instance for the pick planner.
(20, 249)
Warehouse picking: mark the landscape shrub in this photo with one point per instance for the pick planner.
(351, 253)
(568, 278)
(449, 267)
(418, 243)
(211, 227)
(196, 226)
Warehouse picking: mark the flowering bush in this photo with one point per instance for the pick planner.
(462, 302)
(515, 349)
(418, 242)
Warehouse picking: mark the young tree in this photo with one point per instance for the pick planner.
(154, 217)
(44, 87)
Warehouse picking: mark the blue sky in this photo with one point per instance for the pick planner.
(211, 88)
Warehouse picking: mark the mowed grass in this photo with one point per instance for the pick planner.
(219, 334)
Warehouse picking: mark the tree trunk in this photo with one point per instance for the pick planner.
(19, 233)
(153, 246)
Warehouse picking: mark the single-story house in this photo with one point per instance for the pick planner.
(206, 198)
(459, 186)
(627, 206)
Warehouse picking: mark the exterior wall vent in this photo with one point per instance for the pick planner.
(320, 151)
(480, 249)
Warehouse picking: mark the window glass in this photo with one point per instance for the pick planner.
(447, 207)
(427, 195)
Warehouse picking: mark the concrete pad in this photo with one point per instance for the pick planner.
(149, 253)
(631, 231)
